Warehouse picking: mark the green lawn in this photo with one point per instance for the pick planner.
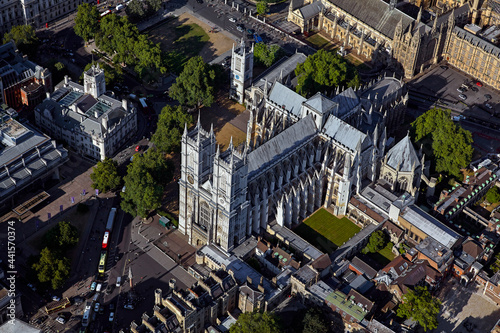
(320, 42)
(325, 231)
(188, 41)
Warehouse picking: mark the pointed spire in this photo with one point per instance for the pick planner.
(198, 124)
(434, 25)
(212, 130)
(419, 16)
(185, 130)
(231, 147)
(217, 153)
(265, 89)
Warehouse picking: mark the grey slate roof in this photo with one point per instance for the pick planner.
(284, 96)
(477, 41)
(344, 133)
(320, 103)
(311, 10)
(382, 89)
(376, 14)
(273, 150)
(285, 67)
(430, 226)
(347, 100)
(404, 155)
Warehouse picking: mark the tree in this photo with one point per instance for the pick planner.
(144, 182)
(267, 54)
(419, 305)
(377, 242)
(60, 238)
(493, 195)
(105, 175)
(195, 85)
(323, 72)
(87, 21)
(451, 144)
(170, 127)
(262, 7)
(251, 322)
(51, 268)
(24, 36)
(136, 8)
(314, 322)
(59, 66)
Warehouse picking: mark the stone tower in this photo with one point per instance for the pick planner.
(241, 71)
(94, 82)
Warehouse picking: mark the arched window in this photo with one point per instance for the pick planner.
(205, 215)
(388, 178)
(402, 184)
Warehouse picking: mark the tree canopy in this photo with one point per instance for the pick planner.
(87, 21)
(51, 268)
(105, 175)
(61, 237)
(251, 322)
(267, 54)
(195, 85)
(144, 182)
(377, 242)
(121, 40)
(419, 305)
(323, 72)
(493, 195)
(451, 144)
(170, 128)
(139, 9)
(314, 322)
(24, 36)
(262, 7)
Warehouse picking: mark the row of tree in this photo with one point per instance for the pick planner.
(52, 266)
(120, 39)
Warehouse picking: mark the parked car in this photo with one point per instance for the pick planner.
(61, 320)
(128, 306)
(487, 96)
(56, 298)
(109, 289)
(99, 287)
(111, 316)
(96, 307)
(461, 89)
(93, 285)
(240, 29)
(479, 84)
(462, 96)
(444, 67)
(232, 19)
(118, 281)
(474, 89)
(488, 105)
(137, 148)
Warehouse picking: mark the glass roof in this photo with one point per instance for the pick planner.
(70, 98)
(99, 107)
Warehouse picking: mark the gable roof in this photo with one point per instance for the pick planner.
(320, 103)
(363, 267)
(345, 134)
(399, 264)
(403, 155)
(272, 151)
(287, 98)
(376, 14)
(472, 248)
(311, 10)
(347, 100)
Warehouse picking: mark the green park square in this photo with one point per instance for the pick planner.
(326, 231)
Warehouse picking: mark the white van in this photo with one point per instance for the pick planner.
(119, 7)
(118, 281)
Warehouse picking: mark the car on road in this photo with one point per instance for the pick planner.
(232, 19)
(474, 89)
(78, 300)
(56, 298)
(444, 67)
(101, 310)
(96, 307)
(487, 96)
(251, 31)
(462, 96)
(240, 28)
(99, 287)
(112, 307)
(128, 306)
(93, 285)
(488, 105)
(479, 84)
(461, 89)
(61, 320)
(111, 316)
(118, 281)
(137, 148)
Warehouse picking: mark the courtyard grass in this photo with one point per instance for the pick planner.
(326, 231)
(320, 42)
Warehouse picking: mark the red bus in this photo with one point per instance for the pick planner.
(145, 107)
(105, 240)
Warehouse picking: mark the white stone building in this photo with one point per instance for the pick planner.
(91, 122)
(34, 12)
(300, 154)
